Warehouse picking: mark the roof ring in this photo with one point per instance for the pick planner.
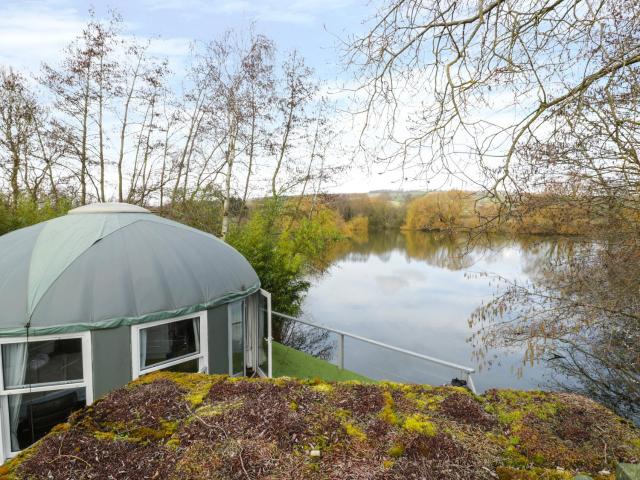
(109, 207)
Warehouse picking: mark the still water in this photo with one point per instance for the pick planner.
(416, 290)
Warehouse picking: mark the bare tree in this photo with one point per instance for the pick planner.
(149, 144)
(260, 98)
(76, 93)
(195, 106)
(18, 120)
(103, 42)
(238, 72)
(438, 74)
(130, 76)
(235, 122)
(297, 92)
(170, 120)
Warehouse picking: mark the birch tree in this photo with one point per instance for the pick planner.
(79, 100)
(297, 92)
(18, 111)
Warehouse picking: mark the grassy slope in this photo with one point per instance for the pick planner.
(288, 362)
(194, 426)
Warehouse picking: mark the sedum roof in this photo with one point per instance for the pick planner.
(106, 265)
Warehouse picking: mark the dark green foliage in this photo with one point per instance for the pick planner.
(204, 215)
(29, 212)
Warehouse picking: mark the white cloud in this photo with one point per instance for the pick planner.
(276, 11)
(169, 47)
(33, 32)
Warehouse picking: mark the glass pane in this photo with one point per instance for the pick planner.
(263, 330)
(169, 341)
(236, 314)
(45, 362)
(33, 415)
(190, 366)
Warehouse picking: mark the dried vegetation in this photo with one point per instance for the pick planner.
(191, 426)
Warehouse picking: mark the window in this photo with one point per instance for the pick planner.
(177, 345)
(236, 338)
(264, 334)
(43, 382)
(49, 362)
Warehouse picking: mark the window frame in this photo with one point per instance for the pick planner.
(86, 382)
(269, 338)
(202, 355)
(244, 339)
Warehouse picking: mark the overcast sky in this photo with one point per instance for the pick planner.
(33, 31)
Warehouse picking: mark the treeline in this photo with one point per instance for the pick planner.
(381, 211)
(112, 121)
(533, 213)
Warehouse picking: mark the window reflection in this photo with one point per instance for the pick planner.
(263, 329)
(44, 362)
(169, 341)
(190, 366)
(236, 314)
(33, 415)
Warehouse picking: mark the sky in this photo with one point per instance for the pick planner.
(36, 31)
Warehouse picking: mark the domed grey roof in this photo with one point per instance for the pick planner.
(106, 265)
(113, 207)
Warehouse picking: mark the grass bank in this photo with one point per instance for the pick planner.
(288, 362)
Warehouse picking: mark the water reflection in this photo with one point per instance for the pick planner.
(443, 250)
(419, 291)
(578, 310)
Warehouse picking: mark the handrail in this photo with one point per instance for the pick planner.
(437, 361)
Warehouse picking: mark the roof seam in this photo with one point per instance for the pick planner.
(31, 310)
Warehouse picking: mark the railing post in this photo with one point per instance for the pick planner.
(341, 351)
(470, 384)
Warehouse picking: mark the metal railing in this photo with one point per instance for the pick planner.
(466, 371)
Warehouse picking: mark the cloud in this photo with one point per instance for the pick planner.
(276, 11)
(33, 32)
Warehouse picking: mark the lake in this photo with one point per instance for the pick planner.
(416, 290)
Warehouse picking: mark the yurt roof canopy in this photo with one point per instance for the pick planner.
(105, 265)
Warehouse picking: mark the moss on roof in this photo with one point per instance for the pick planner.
(195, 426)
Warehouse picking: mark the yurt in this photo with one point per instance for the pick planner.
(109, 292)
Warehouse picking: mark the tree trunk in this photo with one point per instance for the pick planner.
(101, 130)
(85, 132)
(15, 187)
(194, 121)
(283, 147)
(250, 166)
(123, 129)
(231, 152)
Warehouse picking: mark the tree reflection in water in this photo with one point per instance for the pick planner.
(314, 341)
(580, 312)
